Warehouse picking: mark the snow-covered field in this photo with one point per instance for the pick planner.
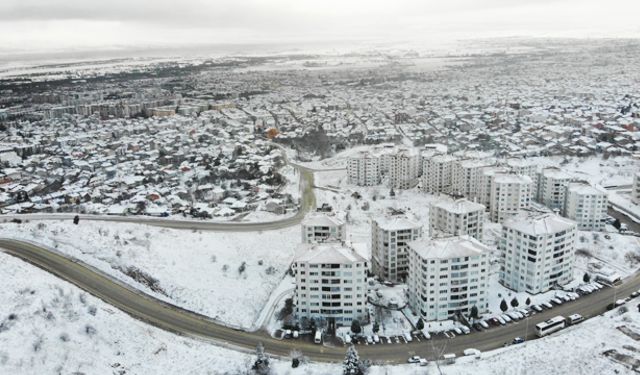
(50, 326)
(227, 276)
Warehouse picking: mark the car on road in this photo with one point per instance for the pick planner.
(517, 340)
(376, 339)
(537, 308)
(574, 318)
(465, 330)
(414, 359)
(347, 339)
(472, 352)
(635, 294)
(318, 337)
(423, 362)
(620, 302)
(369, 340)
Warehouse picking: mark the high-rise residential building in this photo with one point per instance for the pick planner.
(538, 251)
(456, 217)
(389, 238)
(404, 169)
(363, 169)
(482, 194)
(510, 193)
(526, 167)
(552, 184)
(436, 176)
(319, 227)
(331, 284)
(464, 176)
(635, 191)
(448, 276)
(586, 205)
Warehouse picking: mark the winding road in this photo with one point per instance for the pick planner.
(181, 321)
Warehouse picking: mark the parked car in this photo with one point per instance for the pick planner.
(620, 302)
(376, 339)
(517, 340)
(465, 330)
(557, 301)
(501, 320)
(574, 318)
(506, 318)
(547, 305)
(347, 339)
(423, 362)
(537, 308)
(484, 324)
(457, 330)
(369, 340)
(414, 359)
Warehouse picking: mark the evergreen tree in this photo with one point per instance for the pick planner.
(514, 302)
(355, 326)
(503, 306)
(76, 219)
(474, 312)
(586, 278)
(261, 365)
(528, 301)
(420, 324)
(376, 327)
(352, 364)
(617, 224)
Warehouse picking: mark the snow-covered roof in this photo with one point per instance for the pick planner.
(459, 206)
(317, 219)
(396, 222)
(447, 248)
(509, 178)
(327, 253)
(536, 224)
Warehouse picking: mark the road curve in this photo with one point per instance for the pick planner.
(174, 319)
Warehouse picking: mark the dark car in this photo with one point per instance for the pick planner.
(518, 340)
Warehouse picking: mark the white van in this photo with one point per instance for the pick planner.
(574, 318)
(318, 338)
(449, 358)
(472, 352)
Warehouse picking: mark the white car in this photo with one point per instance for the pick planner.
(537, 308)
(458, 331)
(484, 324)
(414, 359)
(506, 318)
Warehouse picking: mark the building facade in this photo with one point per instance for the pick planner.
(510, 193)
(363, 169)
(552, 184)
(448, 276)
(318, 227)
(404, 169)
(437, 173)
(331, 284)
(635, 192)
(586, 205)
(390, 236)
(456, 217)
(538, 252)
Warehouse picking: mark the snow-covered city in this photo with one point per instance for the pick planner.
(417, 207)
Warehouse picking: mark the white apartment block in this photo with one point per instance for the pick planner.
(510, 193)
(586, 205)
(437, 173)
(390, 236)
(363, 169)
(318, 227)
(635, 192)
(448, 276)
(331, 284)
(482, 194)
(552, 184)
(525, 167)
(456, 217)
(464, 175)
(404, 169)
(538, 252)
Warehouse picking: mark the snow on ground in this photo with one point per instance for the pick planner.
(622, 199)
(227, 276)
(618, 252)
(50, 326)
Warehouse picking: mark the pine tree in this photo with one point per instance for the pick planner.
(355, 327)
(586, 278)
(419, 324)
(503, 306)
(528, 301)
(352, 364)
(376, 327)
(261, 365)
(474, 312)
(514, 302)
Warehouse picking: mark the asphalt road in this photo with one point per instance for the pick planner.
(178, 320)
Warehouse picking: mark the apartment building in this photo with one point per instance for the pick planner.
(464, 176)
(552, 184)
(538, 251)
(319, 227)
(390, 236)
(448, 276)
(586, 205)
(436, 176)
(331, 284)
(456, 217)
(482, 194)
(404, 169)
(510, 193)
(363, 169)
(525, 167)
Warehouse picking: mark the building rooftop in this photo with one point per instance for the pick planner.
(458, 206)
(447, 248)
(584, 188)
(509, 178)
(396, 222)
(535, 223)
(327, 253)
(318, 219)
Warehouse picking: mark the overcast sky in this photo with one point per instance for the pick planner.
(59, 24)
